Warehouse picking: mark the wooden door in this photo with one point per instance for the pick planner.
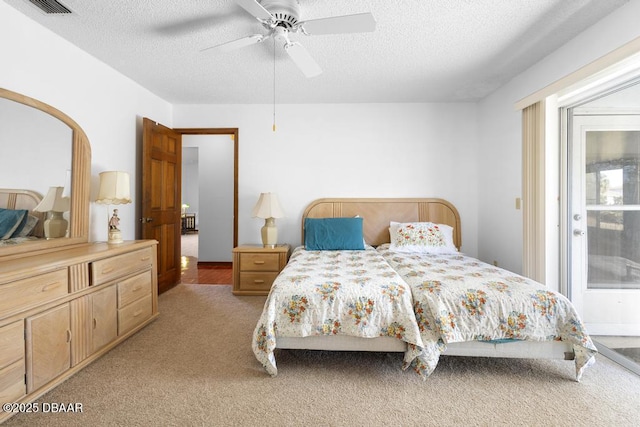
(161, 186)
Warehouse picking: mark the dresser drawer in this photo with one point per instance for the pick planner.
(257, 281)
(134, 288)
(120, 265)
(259, 262)
(12, 385)
(11, 343)
(134, 314)
(33, 290)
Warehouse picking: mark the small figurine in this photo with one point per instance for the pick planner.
(114, 222)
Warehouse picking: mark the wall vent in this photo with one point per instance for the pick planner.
(50, 6)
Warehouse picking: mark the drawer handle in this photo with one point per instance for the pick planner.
(258, 281)
(50, 286)
(68, 335)
(106, 270)
(258, 262)
(138, 313)
(145, 258)
(136, 288)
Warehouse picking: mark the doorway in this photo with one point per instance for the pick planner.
(209, 181)
(161, 193)
(604, 220)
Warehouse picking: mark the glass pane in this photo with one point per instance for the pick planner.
(614, 254)
(611, 187)
(612, 159)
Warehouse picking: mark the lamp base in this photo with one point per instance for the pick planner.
(115, 237)
(269, 233)
(56, 226)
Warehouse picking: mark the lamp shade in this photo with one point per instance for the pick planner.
(53, 201)
(268, 206)
(67, 184)
(114, 188)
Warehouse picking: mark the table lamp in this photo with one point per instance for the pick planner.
(114, 190)
(55, 204)
(268, 208)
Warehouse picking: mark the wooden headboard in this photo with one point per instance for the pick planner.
(24, 199)
(378, 213)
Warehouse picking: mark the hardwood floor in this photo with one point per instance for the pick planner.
(204, 275)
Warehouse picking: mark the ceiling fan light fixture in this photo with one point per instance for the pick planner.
(285, 12)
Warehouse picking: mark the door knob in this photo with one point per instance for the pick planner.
(143, 220)
(578, 232)
(577, 217)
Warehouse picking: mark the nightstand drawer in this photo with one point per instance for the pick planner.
(256, 267)
(257, 281)
(108, 269)
(259, 262)
(134, 314)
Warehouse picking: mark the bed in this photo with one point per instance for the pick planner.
(378, 214)
(18, 221)
(461, 300)
(345, 295)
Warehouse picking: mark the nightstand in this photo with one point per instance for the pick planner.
(256, 267)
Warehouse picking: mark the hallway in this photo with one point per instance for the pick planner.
(191, 273)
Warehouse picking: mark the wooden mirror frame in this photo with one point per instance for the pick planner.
(80, 183)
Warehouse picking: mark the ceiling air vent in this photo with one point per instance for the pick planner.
(51, 6)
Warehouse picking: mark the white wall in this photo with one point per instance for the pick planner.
(500, 230)
(348, 150)
(108, 106)
(385, 150)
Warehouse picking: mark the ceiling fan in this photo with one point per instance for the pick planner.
(282, 17)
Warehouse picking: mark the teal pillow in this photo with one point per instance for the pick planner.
(11, 221)
(333, 234)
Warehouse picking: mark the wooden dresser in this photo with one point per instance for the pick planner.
(61, 310)
(256, 267)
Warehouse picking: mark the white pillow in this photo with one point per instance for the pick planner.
(423, 237)
(29, 226)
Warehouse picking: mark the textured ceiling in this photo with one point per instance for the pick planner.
(421, 51)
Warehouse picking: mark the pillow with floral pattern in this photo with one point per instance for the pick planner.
(423, 237)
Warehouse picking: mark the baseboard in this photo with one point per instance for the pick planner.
(215, 264)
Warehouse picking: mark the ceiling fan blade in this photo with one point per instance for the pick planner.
(255, 8)
(237, 44)
(358, 23)
(302, 59)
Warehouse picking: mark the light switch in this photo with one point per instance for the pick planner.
(518, 203)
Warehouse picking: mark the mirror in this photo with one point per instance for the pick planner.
(45, 148)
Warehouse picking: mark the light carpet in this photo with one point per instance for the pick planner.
(194, 366)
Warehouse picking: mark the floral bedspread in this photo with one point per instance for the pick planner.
(353, 293)
(458, 298)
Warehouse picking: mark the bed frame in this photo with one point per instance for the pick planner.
(24, 199)
(377, 213)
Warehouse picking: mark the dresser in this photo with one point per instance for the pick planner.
(256, 267)
(61, 310)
